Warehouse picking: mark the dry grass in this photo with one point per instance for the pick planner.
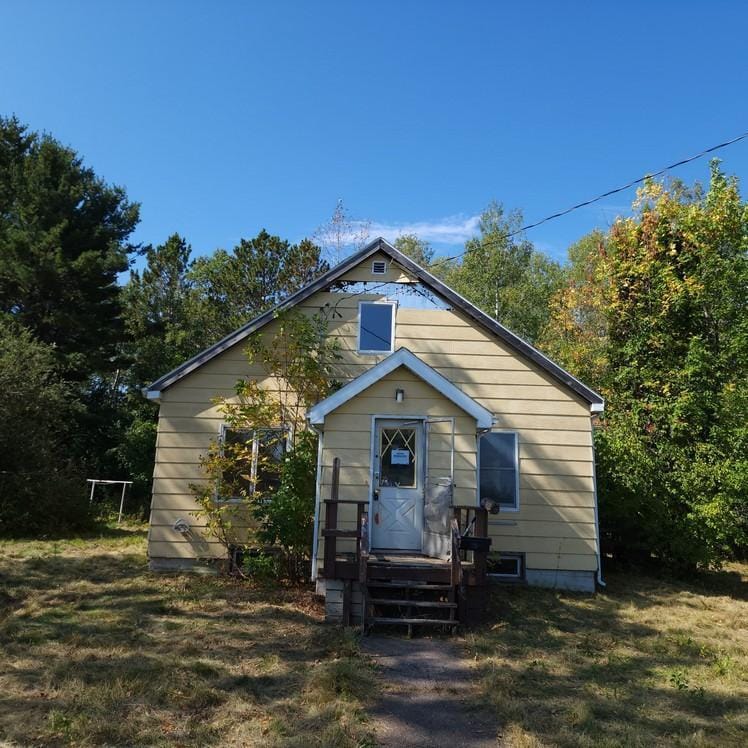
(648, 662)
(97, 651)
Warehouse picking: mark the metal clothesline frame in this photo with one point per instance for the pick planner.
(97, 481)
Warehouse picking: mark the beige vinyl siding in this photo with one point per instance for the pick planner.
(553, 424)
(188, 422)
(362, 272)
(348, 437)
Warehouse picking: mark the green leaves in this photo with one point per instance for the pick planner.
(41, 487)
(506, 276)
(299, 359)
(287, 519)
(230, 288)
(417, 249)
(657, 311)
(63, 242)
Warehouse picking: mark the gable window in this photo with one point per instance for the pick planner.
(379, 267)
(376, 327)
(498, 467)
(260, 454)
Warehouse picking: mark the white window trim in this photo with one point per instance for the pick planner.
(393, 304)
(255, 450)
(504, 507)
(520, 558)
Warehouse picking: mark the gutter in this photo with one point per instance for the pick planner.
(597, 520)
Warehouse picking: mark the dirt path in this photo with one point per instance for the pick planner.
(426, 696)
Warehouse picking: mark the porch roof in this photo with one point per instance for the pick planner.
(401, 357)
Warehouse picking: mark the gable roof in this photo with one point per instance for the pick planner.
(434, 284)
(401, 357)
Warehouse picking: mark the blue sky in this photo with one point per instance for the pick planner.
(223, 118)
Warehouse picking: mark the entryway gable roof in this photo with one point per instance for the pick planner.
(401, 357)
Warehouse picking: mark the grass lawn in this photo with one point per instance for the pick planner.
(647, 662)
(97, 651)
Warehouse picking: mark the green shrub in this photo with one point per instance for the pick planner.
(42, 490)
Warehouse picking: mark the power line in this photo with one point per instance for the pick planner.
(624, 187)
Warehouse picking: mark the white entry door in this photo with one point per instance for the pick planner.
(397, 502)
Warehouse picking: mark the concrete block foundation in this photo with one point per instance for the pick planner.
(333, 591)
(576, 581)
(193, 565)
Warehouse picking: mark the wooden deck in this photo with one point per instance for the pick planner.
(464, 572)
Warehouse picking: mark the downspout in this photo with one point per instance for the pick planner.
(597, 521)
(317, 496)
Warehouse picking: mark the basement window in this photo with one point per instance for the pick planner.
(498, 469)
(506, 566)
(259, 454)
(376, 327)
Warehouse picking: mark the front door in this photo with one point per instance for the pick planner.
(397, 501)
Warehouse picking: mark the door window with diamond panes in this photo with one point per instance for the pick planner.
(398, 460)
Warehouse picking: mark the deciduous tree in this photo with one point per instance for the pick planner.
(659, 312)
(42, 489)
(341, 235)
(417, 249)
(299, 359)
(505, 275)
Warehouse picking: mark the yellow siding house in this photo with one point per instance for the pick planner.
(441, 406)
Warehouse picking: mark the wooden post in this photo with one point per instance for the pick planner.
(362, 541)
(363, 563)
(480, 558)
(456, 565)
(456, 569)
(331, 521)
(347, 602)
(481, 523)
(335, 488)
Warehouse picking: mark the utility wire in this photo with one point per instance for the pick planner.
(333, 310)
(624, 187)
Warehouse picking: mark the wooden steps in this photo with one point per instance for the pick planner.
(393, 572)
(413, 586)
(411, 603)
(413, 622)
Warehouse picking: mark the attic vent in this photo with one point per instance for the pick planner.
(378, 267)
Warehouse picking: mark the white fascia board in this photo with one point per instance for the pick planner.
(401, 357)
(152, 394)
(597, 407)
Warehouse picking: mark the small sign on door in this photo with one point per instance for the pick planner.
(400, 457)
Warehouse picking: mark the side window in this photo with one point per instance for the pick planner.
(376, 327)
(237, 477)
(271, 445)
(499, 469)
(257, 457)
(506, 565)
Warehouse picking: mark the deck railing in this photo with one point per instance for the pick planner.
(331, 533)
(353, 565)
(473, 522)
